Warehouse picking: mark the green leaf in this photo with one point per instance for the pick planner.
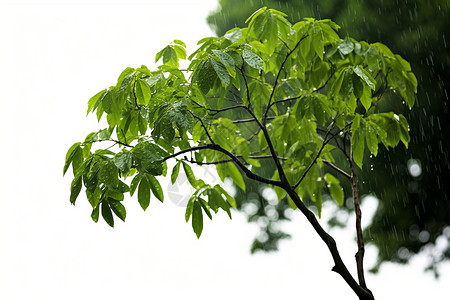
(373, 59)
(365, 76)
(175, 172)
(118, 209)
(225, 58)
(252, 59)
(95, 101)
(230, 199)
(318, 46)
(147, 156)
(358, 87)
(366, 98)
(236, 176)
(75, 189)
(256, 13)
(221, 71)
(91, 180)
(205, 207)
(69, 156)
(358, 137)
(197, 219)
(337, 84)
(143, 92)
(123, 161)
(383, 49)
(371, 138)
(335, 188)
(95, 213)
(179, 42)
(189, 208)
(205, 76)
(155, 187)
(108, 174)
(144, 193)
(346, 47)
(190, 175)
(233, 35)
(134, 183)
(107, 214)
(215, 198)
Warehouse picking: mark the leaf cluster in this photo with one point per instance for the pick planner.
(271, 94)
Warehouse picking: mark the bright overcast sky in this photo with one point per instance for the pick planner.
(54, 56)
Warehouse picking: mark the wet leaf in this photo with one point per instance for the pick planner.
(144, 193)
(197, 219)
(252, 59)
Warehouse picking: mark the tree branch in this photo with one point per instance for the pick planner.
(337, 169)
(325, 142)
(271, 148)
(339, 266)
(216, 111)
(203, 125)
(278, 76)
(249, 120)
(233, 157)
(359, 235)
(246, 86)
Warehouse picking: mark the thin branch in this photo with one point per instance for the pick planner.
(233, 157)
(208, 163)
(246, 86)
(111, 140)
(284, 100)
(134, 94)
(270, 145)
(216, 111)
(359, 235)
(265, 156)
(337, 169)
(249, 120)
(325, 142)
(278, 76)
(203, 125)
(285, 44)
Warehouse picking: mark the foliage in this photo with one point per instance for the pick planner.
(409, 205)
(274, 93)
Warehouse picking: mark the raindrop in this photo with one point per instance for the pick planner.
(263, 237)
(250, 208)
(414, 167)
(447, 231)
(271, 212)
(424, 236)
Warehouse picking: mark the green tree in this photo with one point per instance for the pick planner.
(414, 208)
(274, 102)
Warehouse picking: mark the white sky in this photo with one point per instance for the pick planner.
(54, 56)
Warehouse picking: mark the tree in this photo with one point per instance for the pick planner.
(300, 97)
(414, 208)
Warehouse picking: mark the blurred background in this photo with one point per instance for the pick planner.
(56, 54)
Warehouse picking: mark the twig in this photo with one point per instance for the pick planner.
(337, 169)
(278, 75)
